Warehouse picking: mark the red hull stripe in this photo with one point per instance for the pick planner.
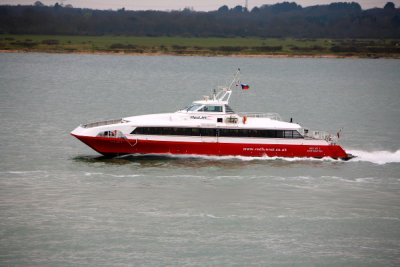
(110, 146)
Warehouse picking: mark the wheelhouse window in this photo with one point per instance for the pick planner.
(193, 107)
(228, 109)
(208, 108)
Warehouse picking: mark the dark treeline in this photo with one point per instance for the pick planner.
(337, 20)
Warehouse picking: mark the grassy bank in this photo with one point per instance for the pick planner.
(202, 46)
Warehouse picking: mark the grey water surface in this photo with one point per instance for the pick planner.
(61, 204)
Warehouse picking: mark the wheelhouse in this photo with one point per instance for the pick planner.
(212, 108)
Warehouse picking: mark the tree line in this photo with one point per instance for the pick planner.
(287, 19)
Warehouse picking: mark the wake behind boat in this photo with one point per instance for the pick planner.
(209, 127)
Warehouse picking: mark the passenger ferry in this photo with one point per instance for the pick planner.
(209, 127)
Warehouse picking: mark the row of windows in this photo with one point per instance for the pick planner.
(260, 133)
(219, 132)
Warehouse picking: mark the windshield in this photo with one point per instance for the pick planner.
(211, 109)
(193, 107)
(228, 109)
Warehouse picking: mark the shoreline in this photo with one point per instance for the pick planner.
(123, 53)
(249, 47)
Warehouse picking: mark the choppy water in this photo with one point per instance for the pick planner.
(63, 205)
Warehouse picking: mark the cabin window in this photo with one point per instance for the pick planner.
(296, 134)
(208, 132)
(279, 134)
(288, 134)
(195, 131)
(270, 133)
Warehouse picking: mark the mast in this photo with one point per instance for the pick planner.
(225, 92)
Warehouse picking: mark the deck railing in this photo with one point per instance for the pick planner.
(101, 123)
(320, 135)
(272, 116)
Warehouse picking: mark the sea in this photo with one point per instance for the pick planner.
(63, 204)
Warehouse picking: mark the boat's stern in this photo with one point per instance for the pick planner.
(348, 157)
(339, 153)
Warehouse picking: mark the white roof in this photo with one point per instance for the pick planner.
(210, 102)
(207, 119)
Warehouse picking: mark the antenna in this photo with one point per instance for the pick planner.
(246, 5)
(235, 79)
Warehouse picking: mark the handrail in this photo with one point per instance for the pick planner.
(101, 123)
(272, 116)
(320, 135)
